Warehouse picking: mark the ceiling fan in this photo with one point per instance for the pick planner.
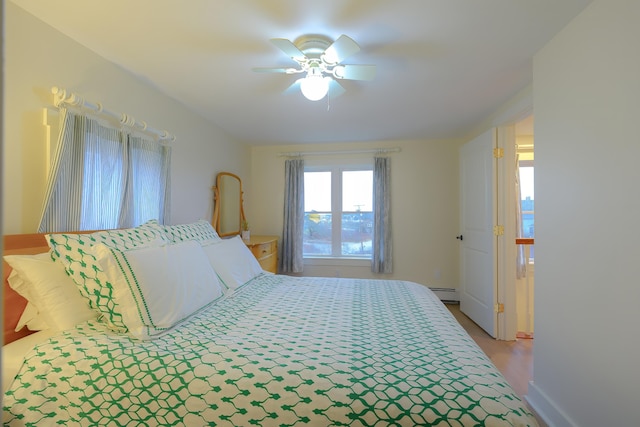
(320, 59)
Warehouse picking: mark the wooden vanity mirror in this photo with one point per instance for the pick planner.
(228, 213)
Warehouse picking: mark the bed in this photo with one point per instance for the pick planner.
(151, 337)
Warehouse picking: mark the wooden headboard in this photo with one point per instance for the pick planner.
(13, 303)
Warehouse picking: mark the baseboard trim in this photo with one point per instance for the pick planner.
(546, 409)
(449, 295)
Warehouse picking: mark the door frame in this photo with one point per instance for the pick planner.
(518, 108)
(507, 322)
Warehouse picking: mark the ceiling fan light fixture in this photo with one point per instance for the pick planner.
(321, 59)
(315, 87)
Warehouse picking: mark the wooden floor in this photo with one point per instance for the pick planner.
(513, 358)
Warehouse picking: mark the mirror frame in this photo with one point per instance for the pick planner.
(218, 203)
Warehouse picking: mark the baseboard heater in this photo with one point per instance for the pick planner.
(449, 295)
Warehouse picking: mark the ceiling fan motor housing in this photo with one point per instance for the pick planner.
(313, 45)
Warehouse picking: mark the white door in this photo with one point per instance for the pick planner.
(478, 254)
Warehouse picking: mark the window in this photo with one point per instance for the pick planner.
(104, 186)
(338, 219)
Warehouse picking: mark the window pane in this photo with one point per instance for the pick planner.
(317, 214)
(147, 179)
(317, 234)
(317, 191)
(102, 181)
(357, 191)
(357, 233)
(357, 215)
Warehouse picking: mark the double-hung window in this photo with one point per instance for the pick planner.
(338, 211)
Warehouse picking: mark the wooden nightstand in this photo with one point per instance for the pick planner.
(265, 249)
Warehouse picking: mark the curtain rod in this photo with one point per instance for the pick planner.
(62, 96)
(329, 153)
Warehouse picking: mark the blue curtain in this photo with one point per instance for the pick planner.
(291, 260)
(382, 260)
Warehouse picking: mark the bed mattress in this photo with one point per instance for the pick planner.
(279, 351)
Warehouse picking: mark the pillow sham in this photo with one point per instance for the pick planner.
(73, 251)
(154, 288)
(47, 288)
(232, 261)
(201, 231)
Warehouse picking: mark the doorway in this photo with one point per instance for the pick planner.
(525, 227)
(493, 292)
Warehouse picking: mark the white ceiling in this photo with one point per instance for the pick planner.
(443, 66)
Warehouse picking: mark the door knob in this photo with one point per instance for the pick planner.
(459, 237)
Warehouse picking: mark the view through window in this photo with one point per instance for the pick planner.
(526, 170)
(527, 200)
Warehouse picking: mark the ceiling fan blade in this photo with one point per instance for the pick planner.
(355, 72)
(335, 89)
(276, 70)
(289, 48)
(341, 49)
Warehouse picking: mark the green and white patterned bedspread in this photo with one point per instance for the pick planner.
(281, 351)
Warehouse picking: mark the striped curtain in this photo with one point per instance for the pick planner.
(382, 260)
(291, 260)
(103, 178)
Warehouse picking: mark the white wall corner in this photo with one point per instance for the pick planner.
(546, 409)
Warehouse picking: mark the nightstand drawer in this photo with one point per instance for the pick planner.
(265, 249)
(269, 263)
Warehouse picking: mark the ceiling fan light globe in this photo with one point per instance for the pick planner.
(314, 88)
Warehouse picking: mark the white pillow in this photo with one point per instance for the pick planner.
(201, 231)
(48, 288)
(233, 261)
(155, 288)
(30, 317)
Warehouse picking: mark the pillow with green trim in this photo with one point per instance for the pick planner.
(201, 231)
(73, 252)
(154, 288)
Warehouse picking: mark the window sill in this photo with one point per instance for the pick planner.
(334, 262)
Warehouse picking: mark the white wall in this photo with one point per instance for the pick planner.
(38, 57)
(425, 206)
(587, 105)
